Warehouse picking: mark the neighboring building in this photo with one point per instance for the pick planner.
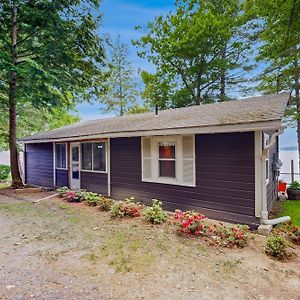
(218, 158)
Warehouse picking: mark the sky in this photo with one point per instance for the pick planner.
(121, 17)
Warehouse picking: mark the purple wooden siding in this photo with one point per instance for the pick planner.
(94, 182)
(39, 164)
(225, 186)
(272, 192)
(61, 178)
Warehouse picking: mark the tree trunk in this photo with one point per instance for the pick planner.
(297, 98)
(14, 161)
(223, 77)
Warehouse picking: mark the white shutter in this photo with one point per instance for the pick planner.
(188, 160)
(146, 158)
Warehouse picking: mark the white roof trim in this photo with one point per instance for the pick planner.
(270, 125)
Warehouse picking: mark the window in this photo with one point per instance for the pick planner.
(166, 160)
(61, 156)
(169, 159)
(94, 156)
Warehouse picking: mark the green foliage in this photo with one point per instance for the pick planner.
(277, 246)
(279, 50)
(52, 74)
(4, 172)
(138, 109)
(105, 204)
(295, 185)
(92, 199)
(129, 207)
(199, 51)
(155, 213)
(62, 191)
(121, 90)
(51, 57)
(32, 120)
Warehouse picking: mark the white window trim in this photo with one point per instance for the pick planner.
(178, 180)
(106, 157)
(66, 154)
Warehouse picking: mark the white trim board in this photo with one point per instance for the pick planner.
(255, 126)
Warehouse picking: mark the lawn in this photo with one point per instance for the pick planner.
(292, 208)
(58, 250)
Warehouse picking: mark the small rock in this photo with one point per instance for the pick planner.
(10, 287)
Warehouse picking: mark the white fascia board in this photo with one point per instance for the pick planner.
(246, 127)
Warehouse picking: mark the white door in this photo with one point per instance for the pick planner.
(75, 166)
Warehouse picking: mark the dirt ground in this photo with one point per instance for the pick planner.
(56, 250)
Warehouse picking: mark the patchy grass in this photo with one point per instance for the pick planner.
(292, 208)
(17, 208)
(125, 253)
(228, 266)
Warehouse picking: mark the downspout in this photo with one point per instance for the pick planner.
(264, 212)
(108, 168)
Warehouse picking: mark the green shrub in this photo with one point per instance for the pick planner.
(62, 191)
(105, 203)
(155, 213)
(91, 198)
(277, 246)
(129, 207)
(4, 172)
(295, 185)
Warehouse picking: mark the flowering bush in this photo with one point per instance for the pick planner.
(155, 214)
(277, 246)
(74, 196)
(236, 235)
(62, 191)
(189, 222)
(290, 232)
(129, 207)
(105, 203)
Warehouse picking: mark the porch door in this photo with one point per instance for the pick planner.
(75, 166)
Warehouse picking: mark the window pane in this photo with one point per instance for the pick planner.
(167, 150)
(87, 156)
(167, 168)
(75, 153)
(60, 154)
(99, 156)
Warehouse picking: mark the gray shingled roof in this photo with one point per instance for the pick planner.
(249, 110)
